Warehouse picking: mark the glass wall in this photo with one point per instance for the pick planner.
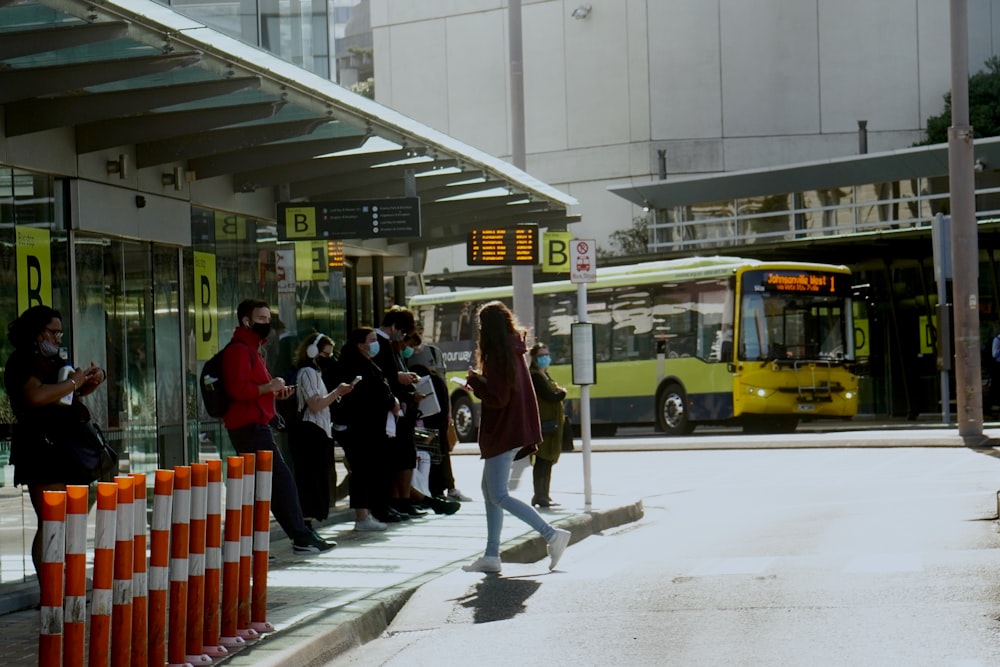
(29, 210)
(294, 30)
(242, 259)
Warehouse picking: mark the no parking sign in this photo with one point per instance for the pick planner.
(583, 260)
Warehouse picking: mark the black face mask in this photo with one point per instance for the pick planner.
(262, 329)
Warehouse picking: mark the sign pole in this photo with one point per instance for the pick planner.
(582, 270)
(581, 309)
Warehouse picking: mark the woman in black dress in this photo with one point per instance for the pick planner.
(42, 403)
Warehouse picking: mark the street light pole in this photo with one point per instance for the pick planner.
(521, 276)
(964, 234)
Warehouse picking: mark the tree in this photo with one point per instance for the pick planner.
(631, 241)
(984, 106)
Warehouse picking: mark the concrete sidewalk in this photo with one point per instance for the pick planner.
(324, 604)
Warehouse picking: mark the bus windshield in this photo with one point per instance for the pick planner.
(796, 317)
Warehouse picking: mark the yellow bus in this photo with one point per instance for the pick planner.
(702, 340)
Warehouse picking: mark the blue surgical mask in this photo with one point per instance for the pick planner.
(407, 352)
(543, 360)
(48, 349)
(373, 348)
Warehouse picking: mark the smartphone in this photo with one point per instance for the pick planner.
(356, 380)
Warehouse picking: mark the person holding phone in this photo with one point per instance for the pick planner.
(363, 412)
(248, 419)
(509, 429)
(310, 439)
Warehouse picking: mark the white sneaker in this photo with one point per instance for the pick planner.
(369, 525)
(557, 545)
(455, 494)
(484, 564)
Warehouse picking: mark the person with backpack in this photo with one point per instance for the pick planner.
(310, 434)
(251, 392)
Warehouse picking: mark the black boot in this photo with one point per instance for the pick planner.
(540, 472)
(546, 482)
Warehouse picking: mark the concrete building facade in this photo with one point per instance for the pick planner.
(717, 86)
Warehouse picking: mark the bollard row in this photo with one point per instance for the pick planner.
(215, 591)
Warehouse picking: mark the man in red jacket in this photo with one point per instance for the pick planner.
(253, 391)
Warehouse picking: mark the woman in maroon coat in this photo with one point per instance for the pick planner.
(508, 429)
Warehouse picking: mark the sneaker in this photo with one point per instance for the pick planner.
(304, 547)
(484, 564)
(309, 543)
(557, 545)
(455, 494)
(369, 525)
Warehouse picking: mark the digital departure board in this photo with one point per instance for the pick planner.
(503, 246)
(786, 281)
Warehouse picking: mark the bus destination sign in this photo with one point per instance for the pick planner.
(802, 282)
(503, 246)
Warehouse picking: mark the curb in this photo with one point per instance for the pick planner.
(314, 641)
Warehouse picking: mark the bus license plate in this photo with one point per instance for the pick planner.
(807, 407)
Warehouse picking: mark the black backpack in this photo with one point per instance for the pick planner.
(213, 390)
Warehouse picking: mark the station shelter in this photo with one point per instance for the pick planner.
(144, 159)
(872, 212)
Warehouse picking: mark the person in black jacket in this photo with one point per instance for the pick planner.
(364, 412)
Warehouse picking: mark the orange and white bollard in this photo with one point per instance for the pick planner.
(159, 560)
(213, 561)
(140, 584)
(179, 535)
(75, 600)
(104, 568)
(121, 599)
(196, 567)
(231, 553)
(53, 528)
(246, 548)
(261, 541)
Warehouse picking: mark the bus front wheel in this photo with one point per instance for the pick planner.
(461, 414)
(671, 411)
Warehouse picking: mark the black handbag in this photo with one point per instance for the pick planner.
(549, 426)
(567, 436)
(85, 442)
(427, 439)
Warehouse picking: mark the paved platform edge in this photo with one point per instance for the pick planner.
(316, 640)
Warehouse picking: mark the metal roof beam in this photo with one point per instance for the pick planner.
(222, 141)
(167, 125)
(315, 168)
(26, 82)
(349, 185)
(16, 44)
(461, 189)
(47, 113)
(272, 154)
(464, 206)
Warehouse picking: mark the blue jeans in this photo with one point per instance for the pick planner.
(496, 477)
(284, 494)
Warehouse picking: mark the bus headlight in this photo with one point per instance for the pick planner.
(848, 395)
(755, 391)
